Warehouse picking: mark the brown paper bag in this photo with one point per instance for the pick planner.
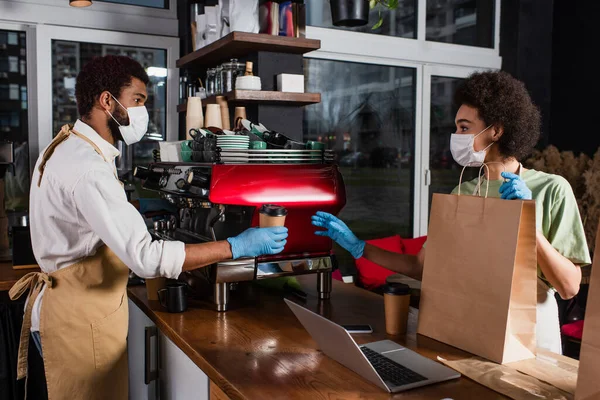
(588, 380)
(479, 279)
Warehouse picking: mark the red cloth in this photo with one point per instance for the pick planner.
(413, 246)
(371, 275)
(337, 275)
(573, 330)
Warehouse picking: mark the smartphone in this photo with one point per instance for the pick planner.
(358, 328)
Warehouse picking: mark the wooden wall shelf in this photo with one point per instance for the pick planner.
(241, 44)
(263, 97)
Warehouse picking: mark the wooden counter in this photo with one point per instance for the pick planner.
(9, 276)
(259, 350)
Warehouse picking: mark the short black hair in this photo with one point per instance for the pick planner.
(503, 100)
(111, 73)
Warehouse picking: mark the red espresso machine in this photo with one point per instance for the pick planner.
(222, 199)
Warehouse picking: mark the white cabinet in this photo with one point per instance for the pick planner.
(136, 346)
(178, 377)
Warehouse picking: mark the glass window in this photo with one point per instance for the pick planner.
(401, 22)
(445, 172)
(67, 60)
(465, 22)
(14, 122)
(143, 3)
(367, 115)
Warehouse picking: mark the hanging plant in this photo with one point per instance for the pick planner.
(389, 4)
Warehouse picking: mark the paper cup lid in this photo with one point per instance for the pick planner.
(273, 210)
(396, 288)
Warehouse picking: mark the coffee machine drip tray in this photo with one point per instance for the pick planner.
(292, 267)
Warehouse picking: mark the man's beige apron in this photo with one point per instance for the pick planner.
(83, 320)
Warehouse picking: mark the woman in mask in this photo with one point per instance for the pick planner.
(498, 124)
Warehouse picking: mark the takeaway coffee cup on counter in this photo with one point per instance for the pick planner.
(396, 299)
(153, 285)
(272, 215)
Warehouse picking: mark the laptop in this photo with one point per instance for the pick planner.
(385, 363)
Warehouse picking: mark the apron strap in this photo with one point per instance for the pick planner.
(34, 281)
(63, 135)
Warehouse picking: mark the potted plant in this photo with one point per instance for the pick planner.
(389, 4)
(351, 13)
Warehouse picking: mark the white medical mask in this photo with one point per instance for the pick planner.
(138, 123)
(463, 150)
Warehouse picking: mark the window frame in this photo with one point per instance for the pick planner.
(32, 100)
(116, 17)
(425, 172)
(45, 34)
(169, 4)
(427, 58)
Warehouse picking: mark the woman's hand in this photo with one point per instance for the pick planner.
(514, 188)
(337, 230)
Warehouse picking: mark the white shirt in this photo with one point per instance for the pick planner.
(81, 206)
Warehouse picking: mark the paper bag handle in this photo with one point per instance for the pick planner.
(487, 189)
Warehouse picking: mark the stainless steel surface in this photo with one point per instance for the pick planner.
(222, 296)
(173, 221)
(324, 284)
(298, 266)
(7, 155)
(243, 156)
(216, 219)
(238, 270)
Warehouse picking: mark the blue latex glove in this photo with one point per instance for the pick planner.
(514, 188)
(255, 242)
(337, 230)
(152, 204)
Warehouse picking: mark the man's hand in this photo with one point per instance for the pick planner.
(255, 242)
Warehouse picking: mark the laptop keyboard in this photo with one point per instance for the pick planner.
(390, 371)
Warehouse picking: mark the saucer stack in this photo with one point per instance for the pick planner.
(227, 142)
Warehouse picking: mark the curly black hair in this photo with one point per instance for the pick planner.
(503, 101)
(111, 73)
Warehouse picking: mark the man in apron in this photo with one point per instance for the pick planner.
(86, 236)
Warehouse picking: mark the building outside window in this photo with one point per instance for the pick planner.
(386, 104)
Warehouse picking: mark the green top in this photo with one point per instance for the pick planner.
(557, 214)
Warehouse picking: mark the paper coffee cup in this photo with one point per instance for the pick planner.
(396, 300)
(153, 286)
(272, 215)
